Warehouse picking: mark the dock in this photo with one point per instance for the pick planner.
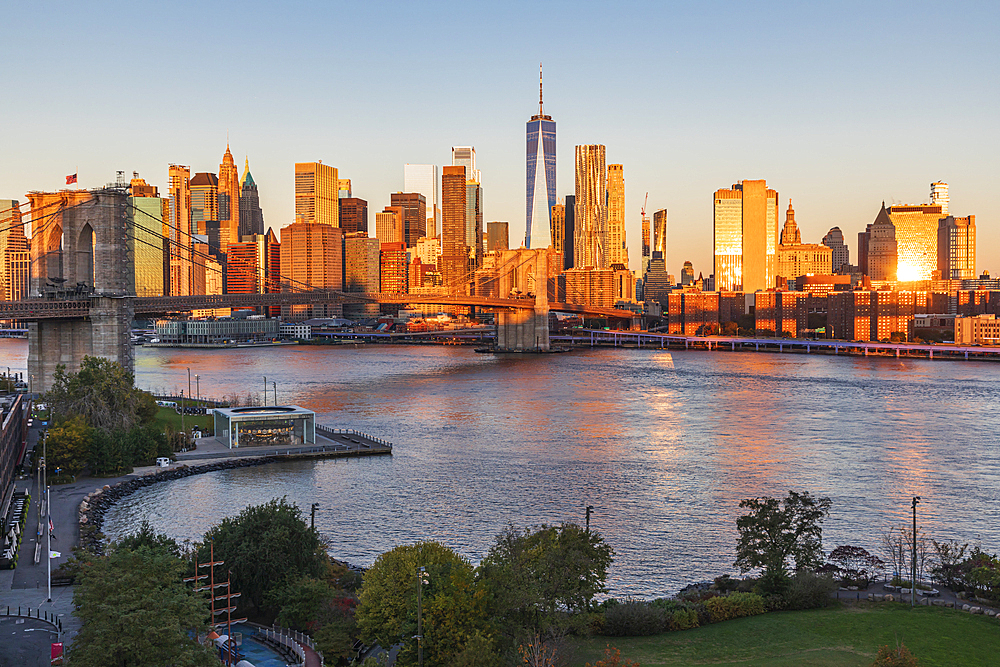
(330, 443)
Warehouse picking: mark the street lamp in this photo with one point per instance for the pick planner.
(913, 563)
(421, 580)
(197, 381)
(189, 384)
(275, 386)
(590, 509)
(265, 391)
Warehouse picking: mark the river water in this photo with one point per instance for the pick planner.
(664, 445)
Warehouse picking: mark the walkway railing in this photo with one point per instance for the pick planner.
(290, 638)
(350, 431)
(25, 612)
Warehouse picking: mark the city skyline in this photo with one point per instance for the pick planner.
(662, 118)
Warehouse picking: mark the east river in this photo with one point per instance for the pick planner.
(664, 445)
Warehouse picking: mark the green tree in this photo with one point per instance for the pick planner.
(68, 446)
(775, 532)
(103, 392)
(136, 611)
(264, 546)
(453, 604)
(538, 578)
(300, 602)
(146, 537)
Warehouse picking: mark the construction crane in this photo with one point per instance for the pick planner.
(646, 201)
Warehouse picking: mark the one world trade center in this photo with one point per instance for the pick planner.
(541, 176)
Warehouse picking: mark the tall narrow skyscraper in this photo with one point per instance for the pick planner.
(423, 178)
(179, 230)
(617, 250)
(660, 233)
(229, 201)
(454, 251)
(251, 217)
(746, 237)
(541, 176)
(590, 243)
(939, 196)
(316, 193)
(204, 201)
(465, 156)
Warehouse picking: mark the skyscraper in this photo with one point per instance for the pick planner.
(204, 201)
(414, 206)
(179, 230)
(541, 176)
(454, 250)
(939, 196)
(617, 249)
(746, 237)
(590, 243)
(647, 247)
(316, 193)
(361, 272)
(558, 217)
(423, 178)
(14, 248)
(883, 254)
(353, 215)
(229, 201)
(145, 243)
(569, 242)
(497, 236)
(956, 247)
(465, 156)
(311, 256)
(474, 222)
(389, 225)
(916, 239)
(660, 232)
(790, 234)
(834, 240)
(251, 217)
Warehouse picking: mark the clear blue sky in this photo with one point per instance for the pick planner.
(837, 105)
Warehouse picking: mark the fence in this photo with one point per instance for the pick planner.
(289, 638)
(350, 431)
(25, 612)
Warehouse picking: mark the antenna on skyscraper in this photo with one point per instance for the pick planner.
(539, 89)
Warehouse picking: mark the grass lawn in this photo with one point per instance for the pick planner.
(848, 636)
(167, 416)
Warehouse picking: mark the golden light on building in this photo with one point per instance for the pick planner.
(916, 240)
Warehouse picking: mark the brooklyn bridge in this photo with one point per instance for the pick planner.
(82, 289)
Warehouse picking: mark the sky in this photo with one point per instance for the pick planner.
(839, 105)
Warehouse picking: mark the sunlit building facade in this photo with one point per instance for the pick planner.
(389, 225)
(956, 247)
(617, 249)
(746, 237)
(840, 254)
(916, 240)
(229, 201)
(145, 242)
(939, 196)
(541, 177)
(204, 201)
(454, 261)
(251, 217)
(590, 243)
(414, 208)
(882, 258)
(497, 236)
(423, 178)
(362, 267)
(14, 250)
(316, 194)
(353, 212)
(311, 257)
(179, 229)
(393, 271)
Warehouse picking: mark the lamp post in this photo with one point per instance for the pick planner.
(189, 384)
(421, 580)
(197, 384)
(913, 563)
(590, 509)
(182, 420)
(275, 386)
(48, 513)
(265, 391)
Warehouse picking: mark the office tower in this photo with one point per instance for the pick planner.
(864, 238)
(242, 268)
(939, 196)
(414, 207)
(389, 226)
(956, 248)
(454, 249)
(393, 273)
(660, 232)
(179, 229)
(343, 188)
(790, 233)
(14, 247)
(474, 222)
(465, 156)
(251, 217)
(617, 250)
(311, 257)
(916, 239)
(428, 251)
(590, 242)
(423, 178)
(687, 274)
(200, 265)
(497, 236)
(145, 242)
(647, 248)
(883, 258)
(316, 193)
(362, 264)
(353, 215)
(558, 217)
(204, 201)
(541, 176)
(746, 237)
(656, 282)
(841, 254)
(569, 237)
(229, 201)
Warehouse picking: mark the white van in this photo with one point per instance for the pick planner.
(163, 462)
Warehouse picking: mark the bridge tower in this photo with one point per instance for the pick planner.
(524, 271)
(79, 250)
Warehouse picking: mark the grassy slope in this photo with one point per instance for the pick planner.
(844, 636)
(168, 416)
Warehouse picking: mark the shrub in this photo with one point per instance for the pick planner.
(633, 618)
(726, 584)
(895, 657)
(810, 591)
(735, 605)
(682, 619)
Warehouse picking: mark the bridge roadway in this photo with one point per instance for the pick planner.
(55, 309)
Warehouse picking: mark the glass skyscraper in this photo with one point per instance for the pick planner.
(541, 177)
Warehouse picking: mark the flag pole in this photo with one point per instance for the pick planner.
(48, 514)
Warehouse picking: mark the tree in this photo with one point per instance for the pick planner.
(264, 546)
(103, 392)
(146, 537)
(855, 565)
(68, 446)
(136, 611)
(453, 603)
(949, 560)
(899, 656)
(775, 532)
(538, 577)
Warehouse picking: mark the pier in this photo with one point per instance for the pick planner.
(652, 340)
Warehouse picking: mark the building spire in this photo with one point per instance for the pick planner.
(539, 89)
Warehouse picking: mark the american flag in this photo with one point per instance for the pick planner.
(71, 179)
